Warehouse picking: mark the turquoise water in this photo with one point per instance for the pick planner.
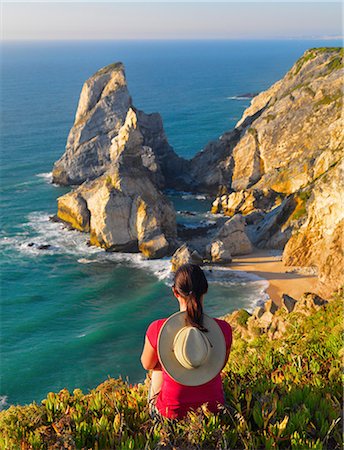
(72, 315)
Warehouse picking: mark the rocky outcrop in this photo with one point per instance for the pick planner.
(101, 113)
(123, 209)
(274, 229)
(288, 140)
(246, 201)
(280, 149)
(218, 252)
(230, 240)
(185, 255)
(272, 320)
(274, 145)
(319, 241)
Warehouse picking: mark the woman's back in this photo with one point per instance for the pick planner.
(175, 399)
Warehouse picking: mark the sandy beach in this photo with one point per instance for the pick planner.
(268, 264)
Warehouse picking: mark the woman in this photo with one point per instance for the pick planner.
(187, 351)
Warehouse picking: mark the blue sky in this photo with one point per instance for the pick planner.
(164, 20)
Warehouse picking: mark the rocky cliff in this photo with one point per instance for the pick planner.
(123, 209)
(282, 167)
(289, 136)
(101, 113)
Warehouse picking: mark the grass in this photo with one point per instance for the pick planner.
(313, 53)
(281, 394)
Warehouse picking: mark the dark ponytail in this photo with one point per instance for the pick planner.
(191, 283)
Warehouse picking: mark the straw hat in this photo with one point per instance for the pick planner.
(191, 357)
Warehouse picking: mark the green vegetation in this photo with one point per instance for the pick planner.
(313, 53)
(301, 200)
(282, 394)
(328, 98)
(336, 63)
(308, 55)
(242, 317)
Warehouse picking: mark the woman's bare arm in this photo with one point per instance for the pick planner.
(149, 357)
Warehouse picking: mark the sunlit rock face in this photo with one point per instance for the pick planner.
(102, 111)
(289, 136)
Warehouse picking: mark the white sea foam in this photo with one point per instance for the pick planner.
(47, 176)
(57, 239)
(239, 97)
(3, 402)
(185, 195)
(194, 197)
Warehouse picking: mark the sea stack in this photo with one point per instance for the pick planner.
(119, 201)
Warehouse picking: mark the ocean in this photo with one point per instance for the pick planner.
(72, 315)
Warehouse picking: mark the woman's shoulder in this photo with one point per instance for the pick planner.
(226, 329)
(154, 327)
(153, 331)
(223, 323)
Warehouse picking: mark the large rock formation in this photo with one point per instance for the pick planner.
(101, 113)
(319, 241)
(230, 240)
(290, 135)
(281, 166)
(123, 209)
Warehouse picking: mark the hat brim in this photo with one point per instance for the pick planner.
(195, 376)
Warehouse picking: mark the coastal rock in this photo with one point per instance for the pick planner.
(275, 228)
(185, 255)
(101, 112)
(309, 303)
(288, 303)
(72, 208)
(123, 209)
(233, 238)
(246, 201)
(319, 241)
(104, 108)
(218, 253)
(126, 212)
(283, 151)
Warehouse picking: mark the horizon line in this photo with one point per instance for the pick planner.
(155, 39)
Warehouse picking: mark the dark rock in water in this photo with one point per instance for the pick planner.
(187, 213)
(40, 246)
(189, 233)
(248, 95)
(44, 247)
(54, 218)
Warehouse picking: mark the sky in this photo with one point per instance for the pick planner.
(86, 20)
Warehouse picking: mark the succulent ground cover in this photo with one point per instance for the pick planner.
(283, 393)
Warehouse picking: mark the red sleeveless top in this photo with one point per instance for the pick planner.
(174, 399)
